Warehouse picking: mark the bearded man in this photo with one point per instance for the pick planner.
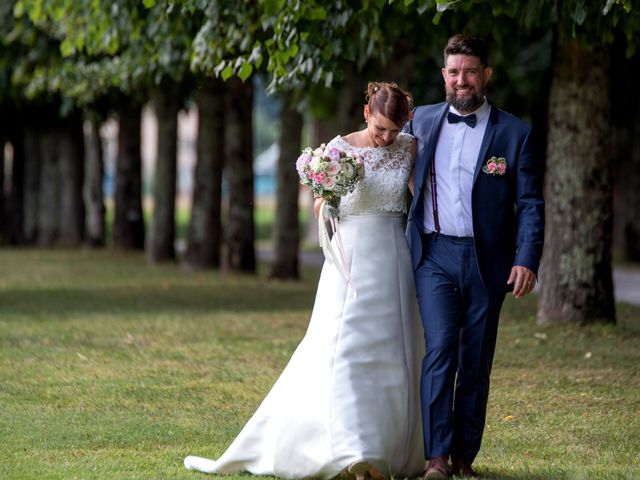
(476, 229)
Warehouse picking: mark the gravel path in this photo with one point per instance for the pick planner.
(627, 285)
(626, 281)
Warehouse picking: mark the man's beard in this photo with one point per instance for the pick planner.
(467, 103)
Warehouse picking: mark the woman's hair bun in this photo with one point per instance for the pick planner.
(389, 100)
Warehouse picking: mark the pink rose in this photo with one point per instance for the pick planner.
(328, 183)
(495, 166)
(316, 177)
(333, 167)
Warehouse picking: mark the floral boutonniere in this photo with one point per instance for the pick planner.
(495, 166)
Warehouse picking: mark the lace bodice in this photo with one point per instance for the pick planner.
(384, 186)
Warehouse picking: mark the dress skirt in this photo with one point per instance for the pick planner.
(351, 389)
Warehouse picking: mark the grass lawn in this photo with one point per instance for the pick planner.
(110, 368)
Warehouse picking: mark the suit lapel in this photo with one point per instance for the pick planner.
(489, 133)
(426, 151)
(429, 147)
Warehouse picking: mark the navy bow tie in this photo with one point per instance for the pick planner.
(469, 119)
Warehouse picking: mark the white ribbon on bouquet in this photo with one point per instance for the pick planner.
(335, 258)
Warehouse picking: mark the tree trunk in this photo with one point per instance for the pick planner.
(14, 210)
(205, 229)
(3, 216)
(49, 189)
(71, 163)
(128, 224)
(32, 170)
(575, 277)
(239, 154)
(161, 243)
(349, 114)
(93, 192)
(287, 230)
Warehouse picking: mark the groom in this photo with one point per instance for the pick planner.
(476, 231)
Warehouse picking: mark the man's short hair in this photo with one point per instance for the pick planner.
(461, 44)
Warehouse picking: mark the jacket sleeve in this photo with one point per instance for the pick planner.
(530, 208)
(408, 127)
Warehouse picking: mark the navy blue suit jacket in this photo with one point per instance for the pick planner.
(507, 210)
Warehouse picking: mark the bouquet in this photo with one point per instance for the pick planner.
(329, 173)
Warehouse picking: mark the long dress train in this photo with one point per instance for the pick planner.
(351, 389)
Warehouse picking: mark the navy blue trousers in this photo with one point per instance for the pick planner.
(460, 319)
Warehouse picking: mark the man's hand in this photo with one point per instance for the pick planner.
(523, 281)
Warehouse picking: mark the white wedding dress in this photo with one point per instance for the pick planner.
(351, 389)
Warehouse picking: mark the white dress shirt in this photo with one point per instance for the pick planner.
(456, 158)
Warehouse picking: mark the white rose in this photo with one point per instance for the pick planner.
(348, 171)
(314, 164)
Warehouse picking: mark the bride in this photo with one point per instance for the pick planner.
(348, 401)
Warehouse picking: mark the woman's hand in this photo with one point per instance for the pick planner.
(317, 203)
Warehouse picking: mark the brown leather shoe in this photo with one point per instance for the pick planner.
(463, 469)
(437, 469)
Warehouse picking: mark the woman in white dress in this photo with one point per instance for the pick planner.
(348, 401)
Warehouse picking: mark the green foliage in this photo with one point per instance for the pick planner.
(298, 42)
(83, 49)
(28, 54)
(104, 46)
(590, 22)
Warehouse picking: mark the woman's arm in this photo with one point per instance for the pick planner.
(317, 202)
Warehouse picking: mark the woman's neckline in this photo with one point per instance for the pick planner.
(369, 147)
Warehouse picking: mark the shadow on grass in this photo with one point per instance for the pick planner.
(64, 301)
(488, 475)
(532, 475)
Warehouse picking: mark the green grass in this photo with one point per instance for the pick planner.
(110, 368)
